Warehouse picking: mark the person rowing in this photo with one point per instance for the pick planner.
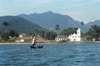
(34, 42)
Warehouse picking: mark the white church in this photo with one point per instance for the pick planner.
(75, 37)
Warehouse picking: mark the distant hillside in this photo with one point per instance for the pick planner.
(97, 22)
(87, 26)
(20, 24)
(49, 20)
(27, 23)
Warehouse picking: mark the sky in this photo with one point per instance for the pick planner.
(80, 10)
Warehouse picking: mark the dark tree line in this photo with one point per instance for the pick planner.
(46, 35)
(93, 32)
(68, 31)
(5, 34)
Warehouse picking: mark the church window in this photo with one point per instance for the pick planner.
(78, 36)
(75, 36)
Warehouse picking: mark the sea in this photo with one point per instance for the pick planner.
(66, 54)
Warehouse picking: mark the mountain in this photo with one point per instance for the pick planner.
(19, 24)
(28, 23)
(87, 26)
(49, 20)
(97, 22)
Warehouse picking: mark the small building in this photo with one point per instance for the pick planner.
(75, 37)
(96, 39)
(24, 39)
(60, 38)
(22, 35)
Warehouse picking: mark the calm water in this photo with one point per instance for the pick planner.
(72, 54)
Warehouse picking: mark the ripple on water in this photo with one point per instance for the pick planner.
(83, 54)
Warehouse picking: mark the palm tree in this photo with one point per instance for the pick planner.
(36, 31)
(94, 28)
(82, 23)
(42, 33)
(57, 27)
(5, 24)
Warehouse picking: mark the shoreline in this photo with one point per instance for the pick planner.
(54, 42)
(13, 43)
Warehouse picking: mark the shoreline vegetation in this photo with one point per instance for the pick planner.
(13, 37)
(50, 42)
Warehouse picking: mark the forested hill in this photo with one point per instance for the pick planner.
(88, 25)
(49, 20)
(19, 24)
(97, 22)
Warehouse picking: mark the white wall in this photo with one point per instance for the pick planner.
(75, 37)
(60, 39)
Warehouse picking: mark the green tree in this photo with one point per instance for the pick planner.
(42, 33)
(36, 31)
(95, 28)
(51, 35)
(57, 28)
(5, 24)
(82, 23)
(31, 34)
(69, 31)
(93, 32)
(4, 35)
(95, 35)
(13, 33)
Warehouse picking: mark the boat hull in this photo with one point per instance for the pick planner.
(40, 46)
